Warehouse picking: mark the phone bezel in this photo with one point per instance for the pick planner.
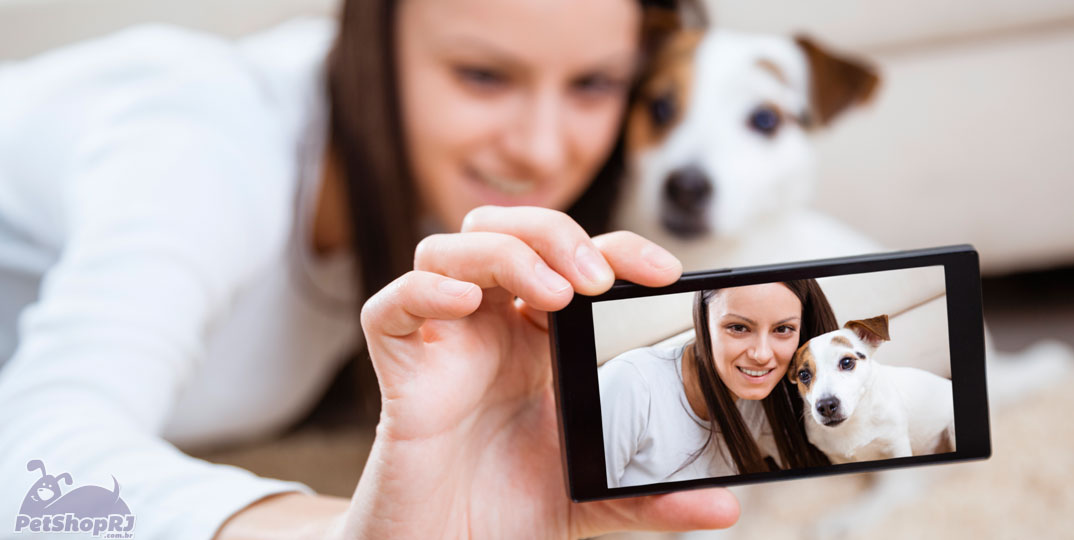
(578, 396)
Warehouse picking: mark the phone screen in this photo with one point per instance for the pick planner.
(774, 376)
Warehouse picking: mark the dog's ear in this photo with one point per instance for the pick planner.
(836, 81)
(872, 331)
(690, 14)
(694, 15)
(658, 24)
(663, 18)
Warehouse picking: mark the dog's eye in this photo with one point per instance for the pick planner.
(846, 364)
(662, 109)
(804, 376)
(765, 120)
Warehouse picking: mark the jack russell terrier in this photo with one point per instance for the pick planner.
(720, 168)
(860, 410)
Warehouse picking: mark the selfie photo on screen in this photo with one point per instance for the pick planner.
(774, 376)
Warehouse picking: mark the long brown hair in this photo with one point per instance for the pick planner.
(783, 406)
(366, 134)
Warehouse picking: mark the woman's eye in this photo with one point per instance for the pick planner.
(785, 329)
(737, 328)
(482, 77)
(847, 363)
(662, 109)
(765, 120)
(804, 376)
(597, 84)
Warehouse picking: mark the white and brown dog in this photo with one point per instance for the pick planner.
(720, 167)
(860, 410)
(721, 170)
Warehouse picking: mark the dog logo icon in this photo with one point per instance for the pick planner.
(87, 509)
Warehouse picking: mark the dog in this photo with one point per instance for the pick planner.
(861, 410)
(720, 168)
(720, 171)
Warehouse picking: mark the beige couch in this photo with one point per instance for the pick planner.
(914, 299)
(968, 140)
(31, 26)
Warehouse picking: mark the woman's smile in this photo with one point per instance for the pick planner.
(510, 185)
(755, 375)
(483, 187)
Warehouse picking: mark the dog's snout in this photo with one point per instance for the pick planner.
(684, 208)
(688, 188)
(828, 407)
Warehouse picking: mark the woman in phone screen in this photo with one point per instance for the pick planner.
(720, 404)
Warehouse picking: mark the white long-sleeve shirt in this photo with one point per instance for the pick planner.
(650, 430)
(155, 283)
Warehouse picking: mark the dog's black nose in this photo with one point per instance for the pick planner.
(828, 407)
(688, 188)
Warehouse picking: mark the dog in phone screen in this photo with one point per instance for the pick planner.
(857, 409)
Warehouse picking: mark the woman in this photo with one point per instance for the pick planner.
(188, 206)
(720, 404)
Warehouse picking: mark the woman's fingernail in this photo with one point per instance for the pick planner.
(659, 257)
(551, 280)
(454, 287)
(592, 264)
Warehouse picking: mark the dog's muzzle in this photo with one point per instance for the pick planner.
(685, 203)
(829, 411)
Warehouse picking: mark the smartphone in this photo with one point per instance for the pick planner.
(774, 372)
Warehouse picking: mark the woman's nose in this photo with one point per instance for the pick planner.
(761, 351)
(537, 142)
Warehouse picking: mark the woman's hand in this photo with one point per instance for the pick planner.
(467, 443)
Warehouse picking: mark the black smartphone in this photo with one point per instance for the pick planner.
(773, 372)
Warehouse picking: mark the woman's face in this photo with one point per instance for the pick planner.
(511, 102)
(754, 333)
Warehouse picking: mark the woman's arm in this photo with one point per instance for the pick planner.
(624, 411)
(175, 196)
(289, 516)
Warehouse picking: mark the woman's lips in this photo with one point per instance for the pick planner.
(755, 375)
(506, 185)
